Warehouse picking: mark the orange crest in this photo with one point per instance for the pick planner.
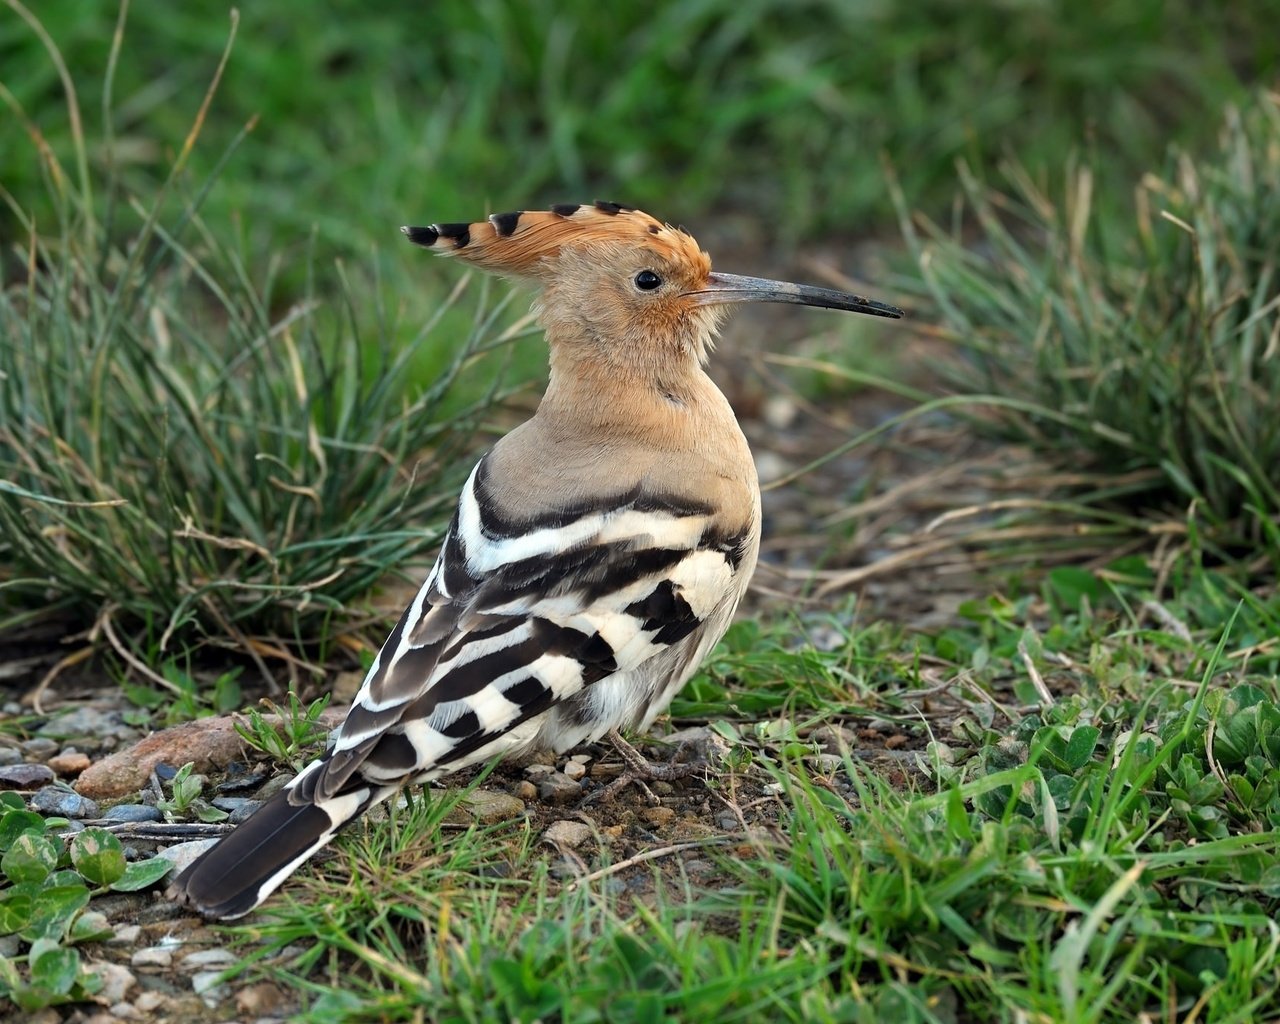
(528, 243)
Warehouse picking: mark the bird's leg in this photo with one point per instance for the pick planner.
(641, 770)
(647, 770)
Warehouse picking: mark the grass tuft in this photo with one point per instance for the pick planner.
(185, 458)
(1154, 346)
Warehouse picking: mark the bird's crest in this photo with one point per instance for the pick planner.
(528, 243)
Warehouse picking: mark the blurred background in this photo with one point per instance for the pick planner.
(784, 112)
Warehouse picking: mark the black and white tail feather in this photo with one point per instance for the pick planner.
(541, 633)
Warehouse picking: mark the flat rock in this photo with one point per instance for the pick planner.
(208, 959)
(487, 808)
(25, 776)
(658, 816)
(116, 981)
(132, 812)
(40, 747)
(570, 834)
(558, 788)
(69, 763)
(63, 803)
(153, 957)
(212, 743)
(182, 854)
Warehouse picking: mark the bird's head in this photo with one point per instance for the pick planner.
(618, 285)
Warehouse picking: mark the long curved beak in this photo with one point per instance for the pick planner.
(722, 289)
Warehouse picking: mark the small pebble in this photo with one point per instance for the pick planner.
(244, 811)
(488, 808)
(581, 758)
(132, 812)
(63, 803)
(151, 957)
(274, 785)
(126, 1011)
(526, 790)
(25, 776)
(116, 981)
(537, 772)
(572, 834)
(125, 935)
(209, 958)
(210, 987)
(827, 764)
(728, 821)
(558, 789)
(243, 782)
(183, 854)
(658, 816)
(150, 1002)
(69, 762)
(40, 747)
(10, 755)
(165, 772)
(575, 770)
(230, 804)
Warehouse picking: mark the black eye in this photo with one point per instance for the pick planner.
(647, 280)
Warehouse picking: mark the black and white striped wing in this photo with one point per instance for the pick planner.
(517, 617)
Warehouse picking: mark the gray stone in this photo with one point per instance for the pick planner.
(575, 770)
(488, 808)
(10, 755)
(209, 959)
(230, 804)
(153, 957)
(209, 986)
(273, 786)
(244, 811)
(63, 803)
(571, 834)
(132, 812)
(557, 788)
(25, 776)
(116, 981)
(40, 747)
(183, 854)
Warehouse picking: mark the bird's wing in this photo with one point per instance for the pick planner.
(519, 615)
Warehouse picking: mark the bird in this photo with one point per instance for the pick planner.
(597, 553)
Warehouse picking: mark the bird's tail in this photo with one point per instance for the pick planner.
(248, 865)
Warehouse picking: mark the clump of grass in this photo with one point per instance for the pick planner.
(183, 459)
(1146, 346)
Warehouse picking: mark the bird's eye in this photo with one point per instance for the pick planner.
(647, 280)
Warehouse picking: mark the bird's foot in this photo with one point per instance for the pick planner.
(641, 770)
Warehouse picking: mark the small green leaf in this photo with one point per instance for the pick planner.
(11, 801)
(1080, 747)
(54, 910)
(90, 926)
(31, 858)
(54, 968)
(958, 817)
(17, 904)
(142, 874)
(98, 855)
(16, 823)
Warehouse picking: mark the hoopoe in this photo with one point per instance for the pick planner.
(597, 553)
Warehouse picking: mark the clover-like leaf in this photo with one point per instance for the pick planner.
(17, 904)
(53, 967)
(98, 855)
(142, 874)
(54, 909)
(90, 926)
(31, 858)
(16, 822)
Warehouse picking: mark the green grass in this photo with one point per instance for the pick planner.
(1105, 854)
(1124, 346)
(364, 119)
